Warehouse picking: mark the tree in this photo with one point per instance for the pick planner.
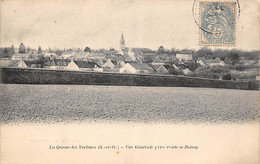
(40, 59)
(193, 66)
(227, 77)
(201, 52)
(161, 50)
(58, 52)
(148, 59)
(21, 48)
(28, 49)
(31, 56)
(174, 71)
(234, 57)
(87, 49)
(5, 51)
(12, 50)
(111, 50)
(39, 50)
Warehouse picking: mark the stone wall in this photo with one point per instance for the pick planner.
(44, 76)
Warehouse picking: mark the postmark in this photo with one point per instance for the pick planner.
(217, 23)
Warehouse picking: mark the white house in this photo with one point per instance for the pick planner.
(184, 56)
(222, 63)
(213, 62)
(22, 64)
(121, 63)
(175, 66)
(202, 63)
(187, 72)
(136, 68)
(84, 66)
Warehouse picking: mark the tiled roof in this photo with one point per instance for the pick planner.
(114, 62)
(184, 52)
(150, 53)
(85, 64)
(60, 62)
(4, 63)
(213, 60)
(141, 66)
(155, 67)
(32, 63)
(168, 66)
(14, 63)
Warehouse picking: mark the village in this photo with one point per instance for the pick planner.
(225, 65)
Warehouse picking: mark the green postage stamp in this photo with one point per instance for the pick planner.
(217, 23)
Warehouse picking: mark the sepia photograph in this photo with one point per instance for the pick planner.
(129, 81)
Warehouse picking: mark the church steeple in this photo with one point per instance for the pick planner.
(122, 42)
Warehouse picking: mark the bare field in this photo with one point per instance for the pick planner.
(77, 103)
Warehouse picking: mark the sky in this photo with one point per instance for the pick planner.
(99, 24)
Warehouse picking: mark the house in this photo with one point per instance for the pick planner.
(187, 72)
(22, 64)
(222, 64)
(14, 63)
(97, 61)
(18, 56)
(84, 66)
(29, 63)
(158, 63)
(213, 62)
(116, 68)
(175, 66)
(129, 59)
(99, 56)
(183, 55)
(121, 63)
(150, 54)
(160, 69)
(136, 68)
(52, 55)
(4, 62)
(110, 64)
(257, 77)
(202, 63)
(148, 57)
(247, 62)
(59, 64)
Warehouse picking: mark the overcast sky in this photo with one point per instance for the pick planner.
(98, 24)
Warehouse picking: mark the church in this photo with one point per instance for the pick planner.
(122, 48)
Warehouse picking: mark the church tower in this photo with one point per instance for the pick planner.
(122, 42)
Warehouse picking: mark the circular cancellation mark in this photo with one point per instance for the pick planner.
(196, 12)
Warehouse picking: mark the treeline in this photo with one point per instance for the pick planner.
(206, 52)
(233, 54)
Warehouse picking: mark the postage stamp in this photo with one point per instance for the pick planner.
(217, 23)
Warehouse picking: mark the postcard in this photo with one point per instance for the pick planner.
(129, 81)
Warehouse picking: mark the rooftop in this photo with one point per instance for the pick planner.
(141, 66)
(60, 62)
(86, 64)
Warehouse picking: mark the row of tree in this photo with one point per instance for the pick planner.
(23, 49)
